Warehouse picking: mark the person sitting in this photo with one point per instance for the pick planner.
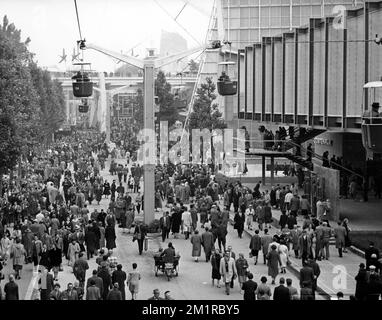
(370, 115)
(168, 255)
(224, 77)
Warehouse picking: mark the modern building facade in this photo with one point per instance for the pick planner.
(248, 21)
(313, 77)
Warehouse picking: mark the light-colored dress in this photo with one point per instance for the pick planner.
(283, 251)
(133, 281)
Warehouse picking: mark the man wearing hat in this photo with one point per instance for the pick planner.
(373, 113)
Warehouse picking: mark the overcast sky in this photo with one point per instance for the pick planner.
(113, 24)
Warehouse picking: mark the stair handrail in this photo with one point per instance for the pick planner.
(316, 155)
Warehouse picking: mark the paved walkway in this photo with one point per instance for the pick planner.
(337, 274)
(194, 280)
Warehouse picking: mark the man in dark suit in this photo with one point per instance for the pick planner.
(97, 280)
(306, 276)
(165, 225)
(305, 245)
(104, 274)
(281, 292)
(11, 289)
(249, 288)
(121, 189)
(316, 272)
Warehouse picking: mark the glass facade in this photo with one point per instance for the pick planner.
(247, 21)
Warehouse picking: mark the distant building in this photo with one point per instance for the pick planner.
(171, 43)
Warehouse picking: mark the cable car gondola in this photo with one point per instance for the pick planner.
(82, 84)
(371, 119)
(84, 107)
(226, 86)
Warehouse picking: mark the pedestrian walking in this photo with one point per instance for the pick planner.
(92, 291)
(110, 237)
(255, 246)
(242, 270)
(340, 235)
(345, 223)
(207, 243)
(281, 292)
(17, 254)
(284, 256)
(266, 240)
(228, 271)
(273, 258)
(263, 291)
(249, 288)
(11, 289)
(104, 274)
(114, 293)
(361, 283)
(215, 263)
(250, 213)
(119, 276)
(139, 235)
(133, 282)
(79, 269)
(239, 221)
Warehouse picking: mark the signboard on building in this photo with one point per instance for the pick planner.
(321, 141)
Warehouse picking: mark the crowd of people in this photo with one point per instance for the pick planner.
(45, 221)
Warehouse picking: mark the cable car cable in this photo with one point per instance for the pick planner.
(184, 29)
(78, 19)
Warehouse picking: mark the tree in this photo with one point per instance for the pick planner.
(9, 144)
(28, 96)
(205, 114)
(167, 108)
(18, 96)
(193, 66)
(51, 101)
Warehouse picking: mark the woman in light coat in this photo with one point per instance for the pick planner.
(228, 271)
(284, 256)
(73, 252)
(196, 241)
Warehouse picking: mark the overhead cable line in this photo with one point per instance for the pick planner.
(78, 19)
(184, 29)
